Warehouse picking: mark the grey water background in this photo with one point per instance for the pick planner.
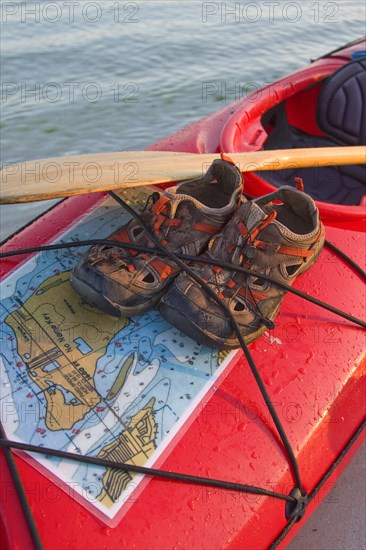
(84, 77)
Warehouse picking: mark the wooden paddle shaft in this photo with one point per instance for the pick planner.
(75, 175)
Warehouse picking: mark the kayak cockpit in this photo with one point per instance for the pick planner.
(327, 114)
(321, 105)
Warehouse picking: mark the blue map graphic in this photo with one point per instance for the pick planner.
(77, 380)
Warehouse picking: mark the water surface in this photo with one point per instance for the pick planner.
(112, 75)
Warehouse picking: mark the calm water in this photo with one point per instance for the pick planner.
(86, 76)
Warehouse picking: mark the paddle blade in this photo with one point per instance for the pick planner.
(59, 177)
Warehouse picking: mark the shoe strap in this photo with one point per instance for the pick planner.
(205, 228)
(160, 204)
(299, 252)
(163, 269)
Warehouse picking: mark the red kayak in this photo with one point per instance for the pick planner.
(225, 442)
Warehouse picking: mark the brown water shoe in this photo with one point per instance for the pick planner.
(280, 239)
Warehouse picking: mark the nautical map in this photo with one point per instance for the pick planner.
(75, 379)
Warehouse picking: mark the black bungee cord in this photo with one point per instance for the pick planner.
(298, 499)
(242, 343)
(163, 474)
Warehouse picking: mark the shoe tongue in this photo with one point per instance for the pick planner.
(251, 214)
(254, 215)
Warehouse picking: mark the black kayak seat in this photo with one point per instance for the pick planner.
(341, 105)
(340, 114)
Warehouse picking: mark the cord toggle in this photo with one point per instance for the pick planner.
(296, 510)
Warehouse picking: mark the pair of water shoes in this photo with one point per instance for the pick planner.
(244, 248)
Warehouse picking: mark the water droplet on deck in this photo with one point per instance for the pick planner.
(191, 504)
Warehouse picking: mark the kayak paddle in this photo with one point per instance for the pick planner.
(75, 175)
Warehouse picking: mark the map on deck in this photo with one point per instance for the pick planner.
(75, 379)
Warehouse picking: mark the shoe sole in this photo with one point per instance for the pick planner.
(98, 300)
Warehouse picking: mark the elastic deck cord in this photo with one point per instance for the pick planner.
(242, 343)
(321, 482)
(180, 260)
(164, 474)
